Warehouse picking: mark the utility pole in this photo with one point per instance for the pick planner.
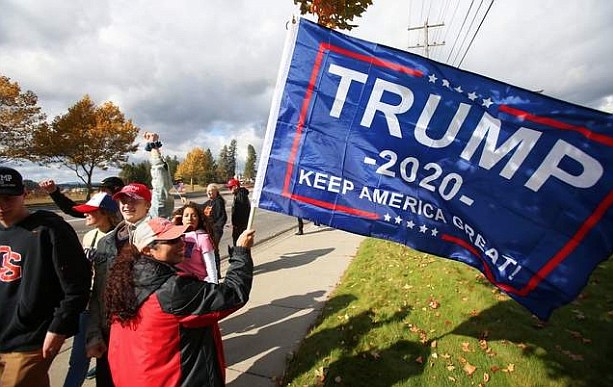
(427, 43)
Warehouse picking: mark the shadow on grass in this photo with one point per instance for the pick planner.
(576, 342)
(352, 366)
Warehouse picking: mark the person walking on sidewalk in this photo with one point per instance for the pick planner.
(215, 208)
(136, 204)
(240, 208)
(44, 285)
(199, 246)
(109, 185)
(149, 303)
(102, 213)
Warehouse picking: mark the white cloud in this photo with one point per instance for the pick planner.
(203, 72)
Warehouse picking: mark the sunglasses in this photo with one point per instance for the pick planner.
(171, 241)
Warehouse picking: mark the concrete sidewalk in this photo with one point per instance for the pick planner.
(293, 277)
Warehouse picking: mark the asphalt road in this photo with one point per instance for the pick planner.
(266, 223)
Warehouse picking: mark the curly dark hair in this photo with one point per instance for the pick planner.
(204, 222)
(120, 295)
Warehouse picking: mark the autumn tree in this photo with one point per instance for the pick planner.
(192, 168)
(19, 116)
(172, 163)
(86, 138)
(334, 13)
(249, 172)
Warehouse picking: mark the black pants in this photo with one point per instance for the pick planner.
(300, 225)
(236, 232)
(103, 372)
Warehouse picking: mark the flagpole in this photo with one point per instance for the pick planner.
(251, 217)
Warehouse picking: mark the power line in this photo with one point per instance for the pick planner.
(460, 30)
(470, 26)
(478, 28)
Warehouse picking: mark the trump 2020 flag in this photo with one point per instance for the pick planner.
(383, 143)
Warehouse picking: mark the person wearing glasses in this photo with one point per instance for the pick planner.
(164, 326)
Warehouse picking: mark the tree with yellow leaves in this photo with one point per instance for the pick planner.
(85, 138)
(19, 116)
(193, 168)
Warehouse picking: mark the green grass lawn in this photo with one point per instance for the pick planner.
(404, 318)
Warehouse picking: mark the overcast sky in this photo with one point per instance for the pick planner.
(202, 72)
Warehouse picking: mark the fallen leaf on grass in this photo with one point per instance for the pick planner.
(434, 304)
(419, 360)
(486, 377)
(433, 344)
(494, 369)
(469, 369)
(450, 368)
(375, 354)
(466, 347)
(483, 345)
(510, 368)
(451, 378)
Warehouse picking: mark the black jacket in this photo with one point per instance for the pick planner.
(44, 281)
(216, 209)
(180, 315)
(241, 208)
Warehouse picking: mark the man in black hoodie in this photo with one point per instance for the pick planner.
(44, 285)
(241, 207)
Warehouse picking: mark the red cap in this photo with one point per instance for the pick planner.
(135, 191)
(233, 183)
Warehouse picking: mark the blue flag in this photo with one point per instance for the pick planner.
(384, 143)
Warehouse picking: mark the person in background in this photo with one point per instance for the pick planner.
(102, 213)
(109, 185)
(44, 285)
(300, 226)
(136, 204)
(148, 302)
(215, 208)
(199, 246)
(241, 207)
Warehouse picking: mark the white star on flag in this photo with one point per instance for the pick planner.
(387, 217)
(432, 78)
(445, 83)
(410, 224)
(472, 96)
(458, 89)
(398, 220)
(487, 102)
(434, 232)
(423, 229)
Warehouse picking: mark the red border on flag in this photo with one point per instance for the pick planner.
(540, 275)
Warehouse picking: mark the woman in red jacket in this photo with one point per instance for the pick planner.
(164, 329)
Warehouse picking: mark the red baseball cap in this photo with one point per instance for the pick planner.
(135, 191)
(233, 183)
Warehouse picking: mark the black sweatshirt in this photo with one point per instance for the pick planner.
(44, 281)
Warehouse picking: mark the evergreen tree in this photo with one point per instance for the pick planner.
(249, 172)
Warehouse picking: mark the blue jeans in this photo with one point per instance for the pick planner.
(79, 362)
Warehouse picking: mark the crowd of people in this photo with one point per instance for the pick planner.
(144, 273)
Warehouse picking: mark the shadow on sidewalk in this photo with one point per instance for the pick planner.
(291, 260)
(274, 332)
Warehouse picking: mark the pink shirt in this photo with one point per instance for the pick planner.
(199, 257)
